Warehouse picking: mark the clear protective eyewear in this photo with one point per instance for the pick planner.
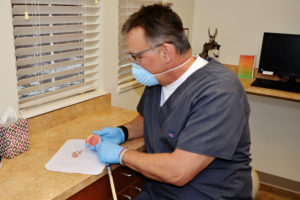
(136, 56)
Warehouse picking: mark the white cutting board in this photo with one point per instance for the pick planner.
(86, 163)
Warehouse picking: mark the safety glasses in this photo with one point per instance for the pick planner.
(136, 56)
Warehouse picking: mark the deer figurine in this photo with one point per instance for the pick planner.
(212, 45)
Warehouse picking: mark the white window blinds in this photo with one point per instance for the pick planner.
(56, 48)
(126, 80)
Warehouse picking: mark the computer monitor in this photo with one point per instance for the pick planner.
(280, 55)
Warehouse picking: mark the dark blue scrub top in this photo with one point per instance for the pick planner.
(207, 114)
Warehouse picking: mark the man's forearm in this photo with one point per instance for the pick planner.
(176, 168)
(135, 127)
(150, 165)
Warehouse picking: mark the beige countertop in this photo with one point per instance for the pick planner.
(25, 176)
(291, 96)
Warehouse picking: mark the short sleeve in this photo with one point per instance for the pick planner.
(216, 123)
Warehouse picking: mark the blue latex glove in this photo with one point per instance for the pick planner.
(108, 152)
(89, 146)
(111, 134)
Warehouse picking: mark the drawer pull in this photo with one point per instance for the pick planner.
(126, 196)
(128, 175)
(138, 189)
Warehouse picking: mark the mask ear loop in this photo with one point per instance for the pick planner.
(138, 67)
(173, 68)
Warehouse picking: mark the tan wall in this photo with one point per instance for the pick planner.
(241, 24)
(8, 86)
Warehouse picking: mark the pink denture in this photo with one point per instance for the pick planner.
(93, 140)
(75, 154)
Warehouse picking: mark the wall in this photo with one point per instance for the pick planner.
(8, 79)
(275, 136)
(241, 24)
(274, 123)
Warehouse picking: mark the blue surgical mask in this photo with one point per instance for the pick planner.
(146, 78)
(143, 76)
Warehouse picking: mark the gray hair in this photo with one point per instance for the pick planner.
(161, 24)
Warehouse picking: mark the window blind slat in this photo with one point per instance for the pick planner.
(128, 86)
(126, 66)
(58, 94)
(43, 9)
(126, 78)
(54, 29)
(59, 47)
(53, 75)
(60, 56)
(19, 20)
(124, 63)
(56, 83)
(47, 94)
(38, 69)
(123, 56)
(56, 2)
(56, 38)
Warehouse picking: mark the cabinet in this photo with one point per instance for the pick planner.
(128, 184)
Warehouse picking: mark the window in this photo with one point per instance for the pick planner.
(56, 48)
(126, 80)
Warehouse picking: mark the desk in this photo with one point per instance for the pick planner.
(25, 177)
(269, 92)
(291, 96)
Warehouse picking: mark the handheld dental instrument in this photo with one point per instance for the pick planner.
(92, 141)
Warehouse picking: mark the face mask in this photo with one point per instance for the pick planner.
(143, 76)
(148, 79)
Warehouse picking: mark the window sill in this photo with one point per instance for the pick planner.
(128, 86)
(51, 106)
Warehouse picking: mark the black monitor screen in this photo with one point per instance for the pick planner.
(280, 55)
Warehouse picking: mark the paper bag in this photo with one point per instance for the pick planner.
(14, 138)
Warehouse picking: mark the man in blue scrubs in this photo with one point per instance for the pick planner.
(193, 116)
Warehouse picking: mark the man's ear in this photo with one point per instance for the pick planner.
(167, 52)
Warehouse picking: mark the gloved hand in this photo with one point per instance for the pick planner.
(108, 152)
(111, 134)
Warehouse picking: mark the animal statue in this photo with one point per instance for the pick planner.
(212, 45)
